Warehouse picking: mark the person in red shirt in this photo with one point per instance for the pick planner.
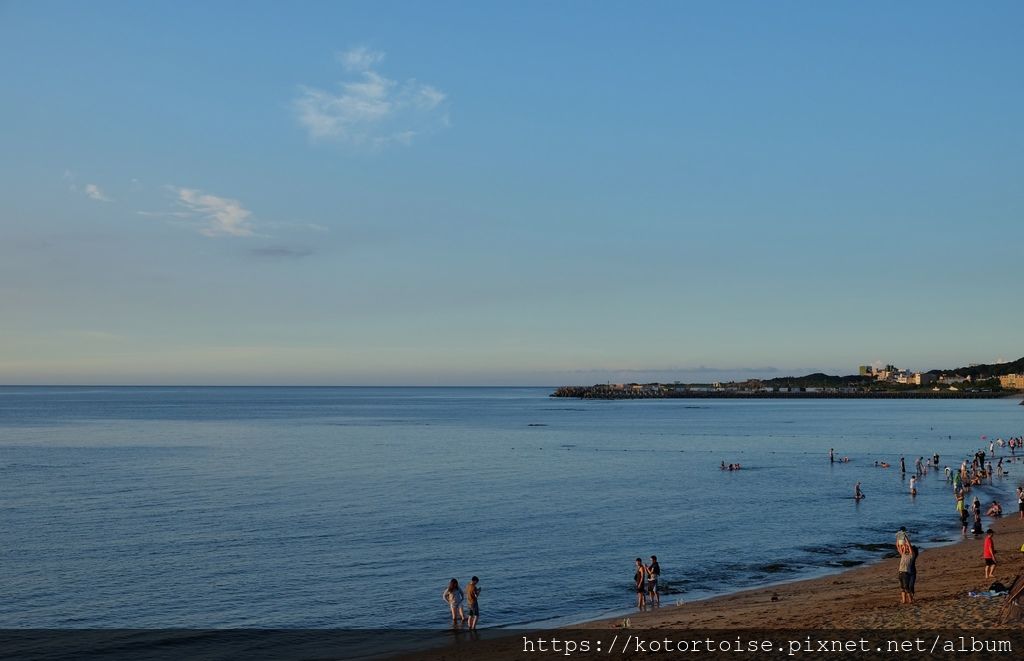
(990, 555)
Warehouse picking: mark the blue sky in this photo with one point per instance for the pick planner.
(506, 193)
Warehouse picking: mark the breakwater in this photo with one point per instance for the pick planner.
(612, 392)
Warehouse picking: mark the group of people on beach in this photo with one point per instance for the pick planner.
(968, 476)
(454, 596)
(464, 605)
(645, 581)
(973, 472)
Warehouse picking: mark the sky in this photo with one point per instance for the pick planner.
(490, 193)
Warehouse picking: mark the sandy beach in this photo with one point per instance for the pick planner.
(862, 598)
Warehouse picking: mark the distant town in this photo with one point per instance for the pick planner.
(973, 381)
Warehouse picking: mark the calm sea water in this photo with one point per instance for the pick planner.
(352, 507)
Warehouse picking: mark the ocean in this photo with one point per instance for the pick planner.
(269, 507)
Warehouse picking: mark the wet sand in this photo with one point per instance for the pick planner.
(865, 597)
(862, 598)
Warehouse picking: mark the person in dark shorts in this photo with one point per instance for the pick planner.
(907, 574)
(653, 573)
(912, 572)
(473, 602)
(989, 554)
(640, 583)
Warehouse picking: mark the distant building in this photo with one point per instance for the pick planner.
(889, 373)
(867, 370)
(1012, 381)
(953, 378)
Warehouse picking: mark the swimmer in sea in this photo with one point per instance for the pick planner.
(857, 493)
(913, 485)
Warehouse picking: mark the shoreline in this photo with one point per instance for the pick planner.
(1008, 524)
(820, 573)
(946, 574)
(865, 597)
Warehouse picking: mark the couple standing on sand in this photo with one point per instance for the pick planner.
(454, 596)
(645, 580)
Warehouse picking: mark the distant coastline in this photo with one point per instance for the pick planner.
(611, 392)
(890, 382)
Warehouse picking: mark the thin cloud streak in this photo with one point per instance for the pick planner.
(221, 216)
(281, 252)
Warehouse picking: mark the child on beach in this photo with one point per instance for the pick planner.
(989, 554)
(453, 596)
(903, 541)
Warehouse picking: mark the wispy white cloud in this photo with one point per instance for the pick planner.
(359, 58)
(94, 192)
(370, 109)
(219, 216)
